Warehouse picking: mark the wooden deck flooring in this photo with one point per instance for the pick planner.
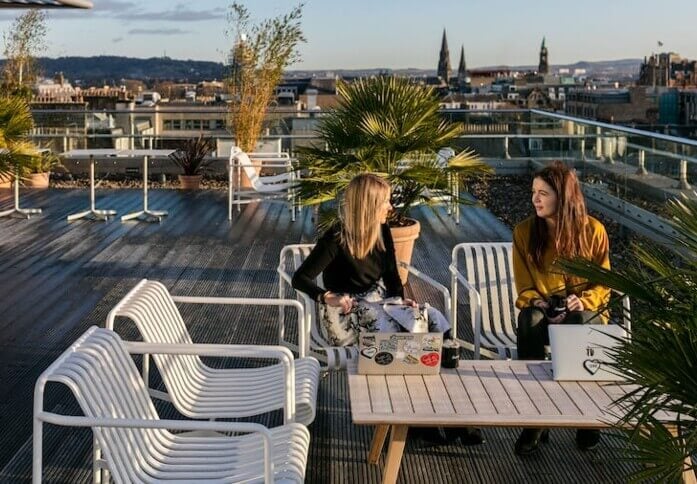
(58, 278)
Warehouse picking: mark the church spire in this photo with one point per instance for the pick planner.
(444, 60)
(462, 69)
(543, 68)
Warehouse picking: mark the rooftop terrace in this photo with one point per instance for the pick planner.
(57, 279)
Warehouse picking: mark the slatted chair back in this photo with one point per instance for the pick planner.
(106, 383)
(335, 357)
(151, 307)
(485, 270)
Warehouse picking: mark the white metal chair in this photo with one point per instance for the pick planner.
(132, 443)
(488, 277)
(278, 186)
(199, 391)
(335, 357)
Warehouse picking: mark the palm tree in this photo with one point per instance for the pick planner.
(16, 150)
(661, 358)
(391, 127)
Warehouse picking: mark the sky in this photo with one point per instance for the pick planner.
(356, 34)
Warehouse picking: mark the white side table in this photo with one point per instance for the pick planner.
(92, 212)
(146, 214)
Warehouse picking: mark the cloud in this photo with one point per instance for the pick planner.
(158, 32)
(134, 11)
(180, 13)
(116, 40)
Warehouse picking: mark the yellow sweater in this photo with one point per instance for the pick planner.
(532, 283)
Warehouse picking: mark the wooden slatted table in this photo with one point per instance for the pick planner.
(499, 393)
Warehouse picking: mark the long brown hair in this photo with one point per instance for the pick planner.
(360, 226)
(571, 237)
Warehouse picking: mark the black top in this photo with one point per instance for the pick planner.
(343, 273)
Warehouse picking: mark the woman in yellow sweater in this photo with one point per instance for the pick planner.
(560, 229)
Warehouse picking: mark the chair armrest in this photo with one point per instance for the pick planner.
(270, 154)
(303, 330)
(430, 281)
(184, 425)
(281, 353)
(477, 323)
(264, 164)
(464, 282)
(284, 275)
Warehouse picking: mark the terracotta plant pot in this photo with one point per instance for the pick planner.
(37, 180)
(190, 182)
(6, 181)
(404, 238)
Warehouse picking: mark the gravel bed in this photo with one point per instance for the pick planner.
(122, 181)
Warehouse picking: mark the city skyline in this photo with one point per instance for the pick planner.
(383, 34)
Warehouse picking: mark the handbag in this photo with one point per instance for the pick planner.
(411, 319)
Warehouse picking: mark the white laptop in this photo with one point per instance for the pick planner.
(399, 353)
(580, 351)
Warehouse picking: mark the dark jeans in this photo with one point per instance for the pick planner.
(532, 330)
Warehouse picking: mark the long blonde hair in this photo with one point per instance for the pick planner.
(360, 227)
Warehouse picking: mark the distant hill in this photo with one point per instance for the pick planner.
(614, 69)
(99, 70)
(111, 69)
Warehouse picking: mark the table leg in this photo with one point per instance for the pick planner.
(146, 214)
(378, 443)
(93, 212)
(395, 449)
(688, 475)
(24, 212)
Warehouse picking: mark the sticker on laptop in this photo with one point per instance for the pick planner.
(411, 360)
(430, 359)
(430, 343)
(369, 352)
(388, 345)
(411, 347)
(368, 340)
(592, 366)
(384, 358)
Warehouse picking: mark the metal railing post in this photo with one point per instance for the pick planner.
(642, 163)
(683, 184)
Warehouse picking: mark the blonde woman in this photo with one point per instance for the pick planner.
(358, 265)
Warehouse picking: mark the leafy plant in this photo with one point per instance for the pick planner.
(25, 39)
(391, 127)
(46, 161)
(16, 150)
(661, 357)
(191, 155)
(261, 53)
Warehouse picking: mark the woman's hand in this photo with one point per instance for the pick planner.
(343, 301)
(543, 306)
(410, 302)
(540, 303)
(573, 303)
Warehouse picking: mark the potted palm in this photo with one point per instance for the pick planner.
(39, 169)
(16, 150)
(391, 127)
(191, 158)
